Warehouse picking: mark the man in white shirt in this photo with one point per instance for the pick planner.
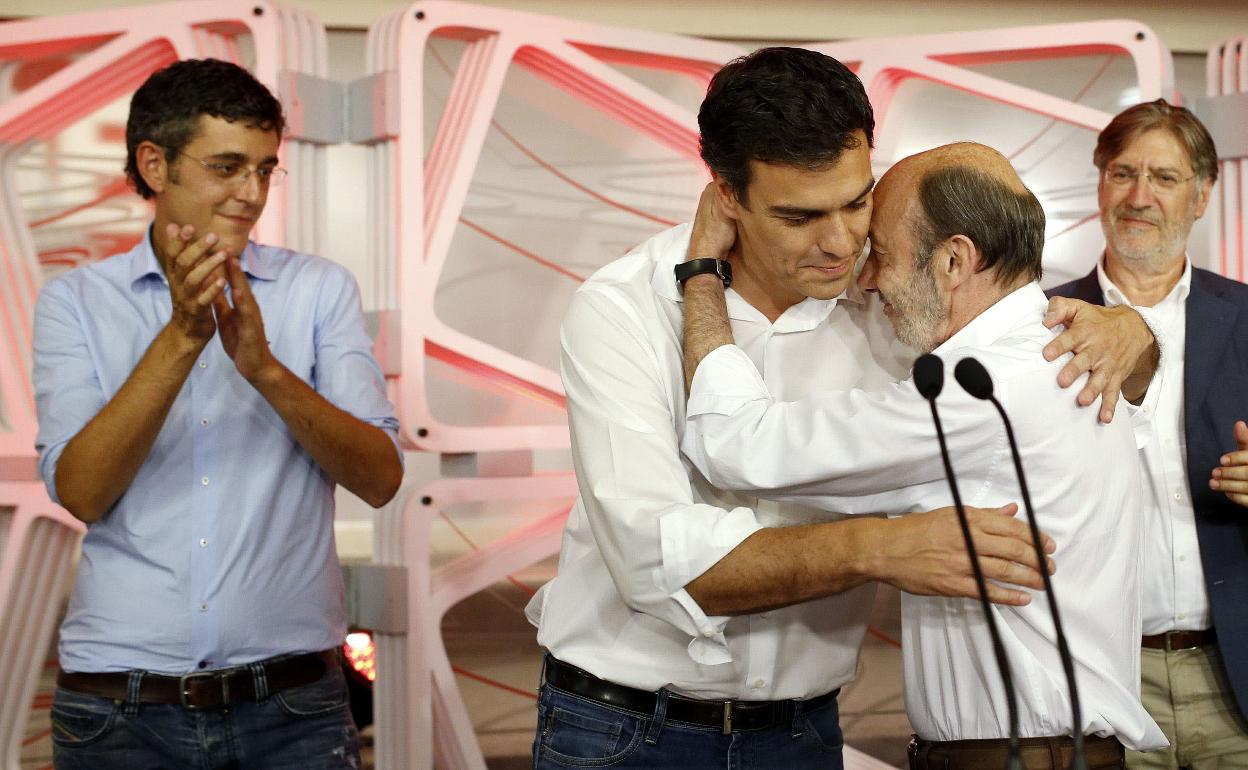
(687, 625)
(956, 243)
(1158, 166)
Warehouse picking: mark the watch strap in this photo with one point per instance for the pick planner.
(686, 270)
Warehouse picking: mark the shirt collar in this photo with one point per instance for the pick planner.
(143, 261)
(998, 320)
(1115, 296)
(804, 315)
(259, 263)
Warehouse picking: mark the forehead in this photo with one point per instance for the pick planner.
(1156, 147)
(826, 188)
(894, 196)
(218, 136)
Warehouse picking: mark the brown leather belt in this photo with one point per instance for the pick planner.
(1179, 640)
(728, 715)
(205, 689)
(1036, 753)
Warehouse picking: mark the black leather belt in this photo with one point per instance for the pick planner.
(1036, 753)
(1179, 640)
(728, 715)
(205, 689)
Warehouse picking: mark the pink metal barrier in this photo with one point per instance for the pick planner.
(37, 542)
(420, 714)
(1226, 73)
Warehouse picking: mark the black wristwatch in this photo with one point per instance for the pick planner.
(687, 270)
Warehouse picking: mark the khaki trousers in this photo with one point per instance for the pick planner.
(1187, 692)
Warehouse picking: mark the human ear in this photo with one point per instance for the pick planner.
(1206, 188)
(727, 197)
(957, 259)
(152, 165)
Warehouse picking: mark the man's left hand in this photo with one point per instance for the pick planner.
(1232, 478)
(1113, 344)
(242, 329)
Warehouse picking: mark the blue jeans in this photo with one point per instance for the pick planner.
(576, 732)
(300, 728)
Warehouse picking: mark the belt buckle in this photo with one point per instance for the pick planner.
(184, 688)
(727, 727)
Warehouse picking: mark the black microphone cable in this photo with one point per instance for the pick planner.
(974, 379)
(929, 377)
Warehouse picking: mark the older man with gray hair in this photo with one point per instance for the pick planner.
(1157, 168)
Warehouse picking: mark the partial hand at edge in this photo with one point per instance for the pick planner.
(1232, 477)
(925, 554)
(1112, 344)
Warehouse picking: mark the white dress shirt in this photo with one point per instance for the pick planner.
(861, 452)
(646, 523)
(1175, 596)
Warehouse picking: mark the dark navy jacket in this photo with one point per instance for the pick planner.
(1215, 395)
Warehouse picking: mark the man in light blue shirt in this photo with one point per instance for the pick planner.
(199, 399)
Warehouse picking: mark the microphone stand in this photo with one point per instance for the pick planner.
(974, 379)
(929, 376)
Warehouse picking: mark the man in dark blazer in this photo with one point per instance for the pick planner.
(1158, 166)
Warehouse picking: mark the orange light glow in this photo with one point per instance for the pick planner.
(361, 653)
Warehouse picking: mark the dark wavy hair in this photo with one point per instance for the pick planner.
(781, 105)
(166, 108)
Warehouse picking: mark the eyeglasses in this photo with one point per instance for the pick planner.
(239, 173)
(1162, 182)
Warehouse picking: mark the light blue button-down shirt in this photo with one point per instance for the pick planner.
(221, 551)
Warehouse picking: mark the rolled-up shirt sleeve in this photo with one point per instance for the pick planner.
(68, 391)
(347, 374)
(653, 535)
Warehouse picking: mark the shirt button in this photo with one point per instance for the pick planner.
(203, 542)
(204, 481)
(1182, 615)
(759, 684)
(204, 422)
(1182, 558)
(203, 364)
(1178, 495)
(203, 608)
(203, 664)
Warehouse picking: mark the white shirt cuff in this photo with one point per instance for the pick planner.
(691, 545)
(725, 380)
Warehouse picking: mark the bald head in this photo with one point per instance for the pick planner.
(972, 155)
(971, 190)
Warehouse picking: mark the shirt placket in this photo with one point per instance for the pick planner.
(205, 498)
(764, 642)
(1188, 575)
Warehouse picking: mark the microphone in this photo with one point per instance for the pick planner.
(929, 378)
(974, 379)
